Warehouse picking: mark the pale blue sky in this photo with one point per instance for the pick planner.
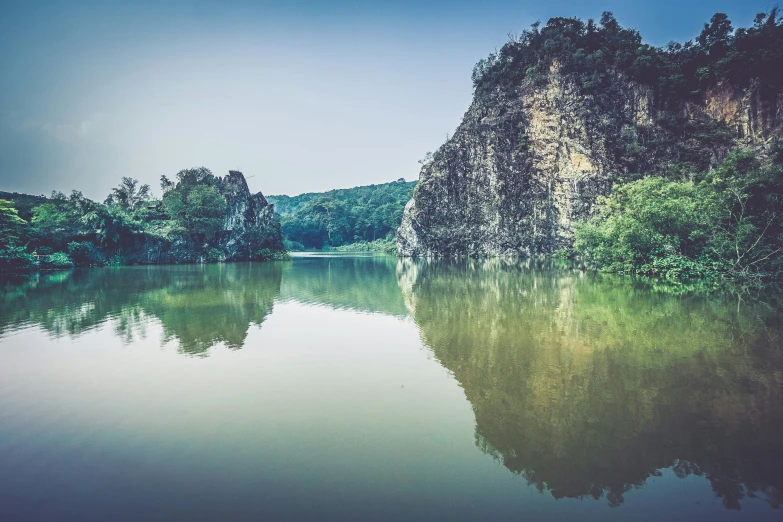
(302, 96)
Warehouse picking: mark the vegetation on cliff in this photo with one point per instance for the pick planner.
(356, 219)
(646, 160)
(188, 224)
(592, 55)
(726, 222)
(694, 220)
(594, 52)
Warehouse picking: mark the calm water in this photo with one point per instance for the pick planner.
(367, 388)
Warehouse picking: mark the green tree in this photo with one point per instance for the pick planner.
(344, 216)
(128, 195)
(206, 209)
(111, 226)
(10, 223)
(747, 217)
(728, 224)
(715, 39)
(643, 222)
(198, 210)
(52, 223)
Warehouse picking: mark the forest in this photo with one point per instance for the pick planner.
(185, 225)
(355, 219)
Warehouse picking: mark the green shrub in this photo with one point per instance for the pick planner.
(85, 253)
(563, 253)
(57, 261)
(266, 254)
(293, 246)
(644, 221)
(728, 224)
(214, 255)
(388, 246)
(117, 260)
(15, 259)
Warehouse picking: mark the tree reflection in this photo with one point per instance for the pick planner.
(358, 283)
(197, 306)
(588, 385)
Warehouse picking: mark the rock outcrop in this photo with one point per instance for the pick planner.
(530, 159)
(249, 217)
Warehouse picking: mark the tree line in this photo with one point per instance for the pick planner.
(129, 227)
(359, 218)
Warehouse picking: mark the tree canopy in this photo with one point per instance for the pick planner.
(727, 223)
(131, 227)
(344, 216)
(591, 52)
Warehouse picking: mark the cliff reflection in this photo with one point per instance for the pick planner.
(197, 306)
(587, 385)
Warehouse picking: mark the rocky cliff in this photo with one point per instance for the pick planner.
(248, 225)
(536, 148)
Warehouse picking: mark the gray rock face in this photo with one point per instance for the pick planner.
(244, 209)
(245, 213)
(524, 165)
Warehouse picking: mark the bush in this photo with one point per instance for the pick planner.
(675, 266)
(643, 221)
(214, 255)
(15, 259)
(85, 254)
(57, 261)
(729, 224)
(293, 246)
(388, 246)
(563, 253)
(117, 260)
(266, 254)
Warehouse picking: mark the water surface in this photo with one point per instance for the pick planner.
(371, 388)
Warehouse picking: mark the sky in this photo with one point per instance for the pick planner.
(301, 96)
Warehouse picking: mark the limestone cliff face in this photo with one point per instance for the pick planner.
(245, 213)
(525, 163)
(244, 209)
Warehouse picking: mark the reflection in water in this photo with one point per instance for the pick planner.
(588, 385)
(584, 385)
(360, 283)
(198, 306)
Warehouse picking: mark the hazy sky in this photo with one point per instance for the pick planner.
(302, 95)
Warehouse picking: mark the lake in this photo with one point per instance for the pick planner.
(372, 388)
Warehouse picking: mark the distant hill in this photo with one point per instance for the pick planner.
(23, 203)
(342, 216)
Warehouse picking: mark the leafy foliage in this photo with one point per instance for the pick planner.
(85, 254)
(593, 52)
(15, 259)
(129, 228)
(10, 223)
(387, 246)
(343, 217)
(729, 223)
(129, 194)
(197, 209)
(57, 261)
